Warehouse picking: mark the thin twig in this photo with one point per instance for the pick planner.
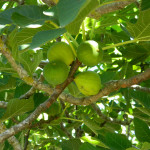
(107, 119)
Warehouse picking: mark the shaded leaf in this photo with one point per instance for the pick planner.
(17, 107)
(117, 141)
(31, 60)
(141, 97)
(72, 144)
(91, 124)
(88, 146)
(93, 141)
(142, 130)
(141, 29)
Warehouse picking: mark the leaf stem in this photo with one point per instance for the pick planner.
(119, 44)
(71, 119)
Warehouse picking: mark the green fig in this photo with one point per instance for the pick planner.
(55, 72)
(61, 51)
(89, 53)
(89, 82)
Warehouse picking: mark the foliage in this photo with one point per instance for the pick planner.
(118, 117)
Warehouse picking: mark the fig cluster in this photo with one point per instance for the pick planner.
(60, 57)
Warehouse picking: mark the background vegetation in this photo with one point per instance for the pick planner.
(34, 115)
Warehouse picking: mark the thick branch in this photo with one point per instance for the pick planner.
(28, 121)
(107, 119)
(109, 87)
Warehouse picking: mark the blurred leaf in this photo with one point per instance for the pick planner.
(93, 141)
(142, 130)
(145, 5)
(31, 60)
(91, 124)
(88, 146)
(73, 89)
(72, 144)
(131, 148)
(17, 107)
(107, 76)
(145, 146)
(141, 29)
(21, 89)
(144, 110)
(7, 83)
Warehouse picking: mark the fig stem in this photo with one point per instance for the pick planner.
(73, 50)
(73, 40)
(83, 31)
(71, 119)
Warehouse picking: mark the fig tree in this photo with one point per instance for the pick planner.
(61, 51)
(89, 82)
(89, 53)
(55, 72)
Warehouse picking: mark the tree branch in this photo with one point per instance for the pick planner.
(12, 140)
(57, 91)
(111, 86)
(140, 88)
(107, 119)
(107, 8)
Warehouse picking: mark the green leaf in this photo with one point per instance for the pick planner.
(131, 148)
(141, 29)
(25, 15)
(31, 60)
(70, 9)
(145, 5)
(25, 35)
(145, 146)
(139, 114)
(21, 89)
(93, 141)
(10, 83)
(44, 36)
(88, 146)
(17, 107)
(73, 89)
(144, 110)
(12, 42)
(141, 97)
(91, 124)
(142, 130)
(117, 141)
(74, 26)
(72, 144)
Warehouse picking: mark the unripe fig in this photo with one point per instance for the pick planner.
(89, 53)
(61, 51)
(55, 72)
(89, 82)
